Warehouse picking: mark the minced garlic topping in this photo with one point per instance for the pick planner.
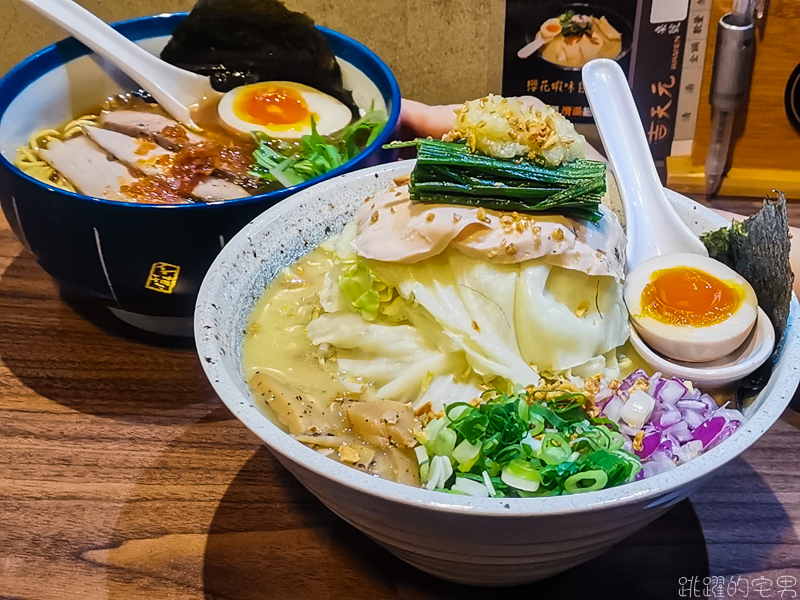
(507, 127)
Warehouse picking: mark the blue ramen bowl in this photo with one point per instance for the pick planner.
(145, 262)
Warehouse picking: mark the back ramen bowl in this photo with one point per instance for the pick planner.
(144, 262)
(479, 541)
(544, 12)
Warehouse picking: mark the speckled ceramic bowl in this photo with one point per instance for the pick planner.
(480, 541)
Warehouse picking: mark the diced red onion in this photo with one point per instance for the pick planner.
(659, 463)
(655, 418)
(693, 395)
(655, 381)
(683, 424)
(692, 404)
(670, 417)
(633, 378)
(600, 398)
(671, 392)
(668, 446)
(729, 414)
(689, 451)
(708, 401)
(651, 428)
(649, 445)
(726, 432)
(680, 431)
(708, 430)
(625, 428)
(693, 418)
(612, 408)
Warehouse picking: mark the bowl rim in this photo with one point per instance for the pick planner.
(68, 49)
(658, 489)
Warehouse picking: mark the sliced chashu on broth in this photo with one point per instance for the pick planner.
(168, 134)
(88, 167)
(374, 436)
(146, 157)
(142, 144)
(148, 125)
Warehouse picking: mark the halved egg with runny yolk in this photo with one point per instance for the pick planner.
(282, 109)
(689, 307)
(550, 29)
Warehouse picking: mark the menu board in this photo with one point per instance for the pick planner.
(547, 43)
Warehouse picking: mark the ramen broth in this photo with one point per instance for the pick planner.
(296, 384)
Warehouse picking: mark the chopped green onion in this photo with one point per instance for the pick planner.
(466, 454)
(493, 444)
(586, 481)
(444, 443)
(555, 449)
(519, 474)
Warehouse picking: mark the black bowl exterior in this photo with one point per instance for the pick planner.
(146, 262)
(144, 259)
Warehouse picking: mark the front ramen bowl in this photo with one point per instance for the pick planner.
(144, 262)
(480, 541)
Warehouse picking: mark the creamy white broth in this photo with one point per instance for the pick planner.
(276, 340)
(278, 356)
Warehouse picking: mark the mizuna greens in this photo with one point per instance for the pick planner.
(315, 155)
(451, 173)
(539, 442)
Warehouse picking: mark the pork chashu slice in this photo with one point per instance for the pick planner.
(145, 124)
(394, 228)
(139, 153)
(145, 156)
(88, 168)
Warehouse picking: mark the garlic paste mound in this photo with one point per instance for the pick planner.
(507, 128)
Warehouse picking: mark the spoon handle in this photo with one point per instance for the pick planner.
(176, 90)
(653, 226)
(530, 48)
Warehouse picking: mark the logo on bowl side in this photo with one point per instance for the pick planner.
(163, 277)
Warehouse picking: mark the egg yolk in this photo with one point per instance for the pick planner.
(271, 105)
(686, 296)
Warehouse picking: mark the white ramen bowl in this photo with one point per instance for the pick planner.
(479, 541)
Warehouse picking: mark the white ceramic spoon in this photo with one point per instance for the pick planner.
(528, 49)
(176, 90)
(653, 226)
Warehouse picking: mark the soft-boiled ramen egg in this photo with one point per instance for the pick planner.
(550, 29)
(282, 109)
(689, 307)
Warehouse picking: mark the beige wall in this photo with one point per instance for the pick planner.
(441, 51)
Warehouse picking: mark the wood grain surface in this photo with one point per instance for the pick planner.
(763, 136)
(123, 476)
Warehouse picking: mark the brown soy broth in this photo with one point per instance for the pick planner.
(206, 116)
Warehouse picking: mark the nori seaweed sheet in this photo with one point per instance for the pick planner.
(758, 249)
(238, 42)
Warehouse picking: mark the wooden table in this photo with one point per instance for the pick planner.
(123, 476)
